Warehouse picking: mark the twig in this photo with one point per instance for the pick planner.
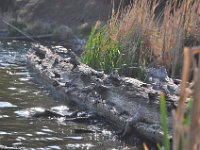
(180, 110)
(194, 134)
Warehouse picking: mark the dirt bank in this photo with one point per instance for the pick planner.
(66, 11)
(78, 15)
(65, 18)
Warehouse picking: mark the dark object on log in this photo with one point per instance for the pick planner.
(55, 83)
(74, 60)
(70, 84)
(55, 62)
(56, 74)
(39, 53)
(152, 96)
(115, 78)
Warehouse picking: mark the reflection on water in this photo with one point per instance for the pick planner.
(18, 93)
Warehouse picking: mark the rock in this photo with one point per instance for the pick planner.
(160, 74)
(160, 81)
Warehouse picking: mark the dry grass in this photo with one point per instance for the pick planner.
(161, 39)
(162, 44)
(184, 136)
(132, 26)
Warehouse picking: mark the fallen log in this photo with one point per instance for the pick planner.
(125, 102)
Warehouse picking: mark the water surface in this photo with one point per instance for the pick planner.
(19, 93)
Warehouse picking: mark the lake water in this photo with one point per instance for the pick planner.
(19, 92)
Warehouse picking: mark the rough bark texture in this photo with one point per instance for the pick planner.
(126, 102)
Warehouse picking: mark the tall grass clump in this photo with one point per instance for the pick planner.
(163, 35)
(139, 35)
(179, 21)
(112, 48)
(100, 51)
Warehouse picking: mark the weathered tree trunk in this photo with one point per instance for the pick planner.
(125, 102)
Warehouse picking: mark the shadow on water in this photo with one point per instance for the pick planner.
(19, 95)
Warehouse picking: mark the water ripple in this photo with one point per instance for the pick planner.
(6, 104)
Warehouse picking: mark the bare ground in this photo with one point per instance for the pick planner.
(77, 14)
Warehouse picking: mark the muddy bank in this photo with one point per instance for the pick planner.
(129, 104)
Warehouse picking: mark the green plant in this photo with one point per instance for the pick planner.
(163, 116)
(103, 52)
(100, 51)
(133, 37)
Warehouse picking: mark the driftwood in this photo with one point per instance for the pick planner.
(125, 102)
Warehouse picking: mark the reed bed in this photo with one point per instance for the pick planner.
(140, 35)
